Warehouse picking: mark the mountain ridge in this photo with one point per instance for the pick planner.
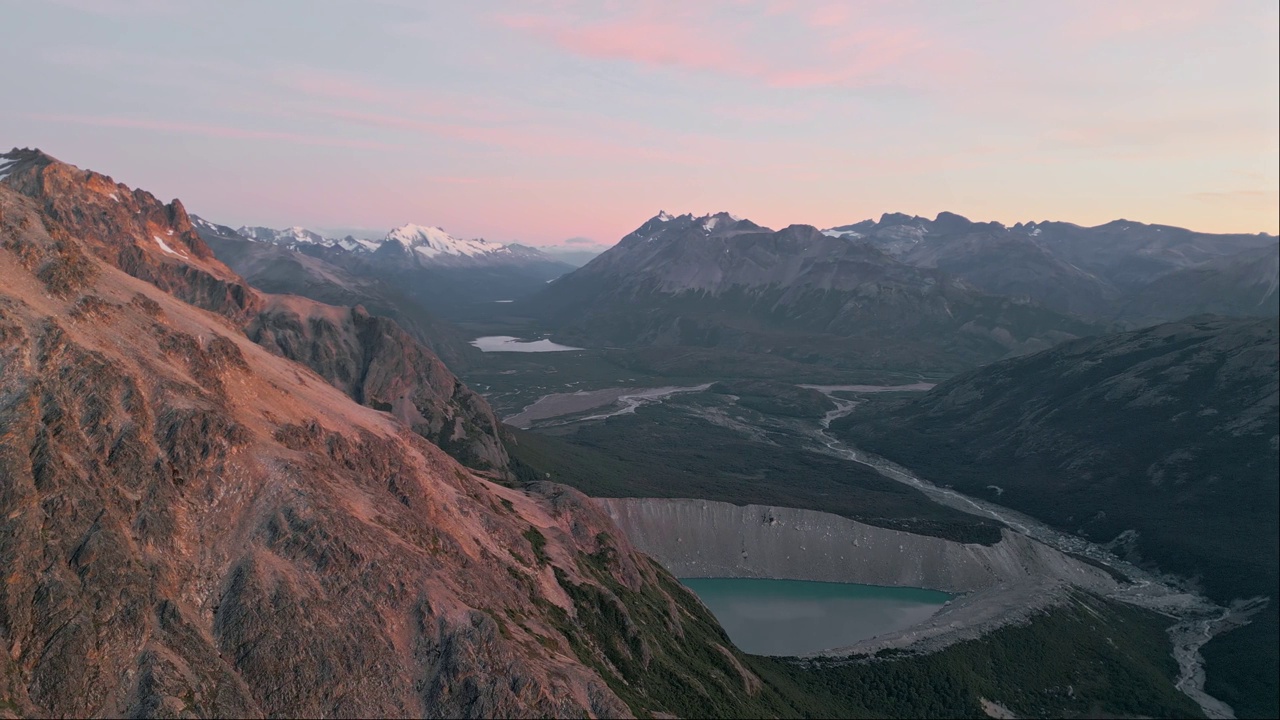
(195, 524)
(723, 282)
(128, 229)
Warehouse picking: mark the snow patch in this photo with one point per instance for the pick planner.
(850, 234)
(663, 216)
(357, 244)
(165, 247)
(710, 223)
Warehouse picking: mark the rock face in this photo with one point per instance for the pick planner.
(701, 538)
(379, 365)
(157, 243)
(132, 230)
(724, 283)
(192, 525)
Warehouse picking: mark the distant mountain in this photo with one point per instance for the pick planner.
(1093, 272)
(1244, 284)
(432, 247)
(576, 251)
(423, 266)
(1162, 441)
(722, 282)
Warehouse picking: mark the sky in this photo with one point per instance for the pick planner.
(543, 121)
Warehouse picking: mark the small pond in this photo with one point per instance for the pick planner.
(506, 343)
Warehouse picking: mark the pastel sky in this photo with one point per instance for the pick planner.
(543, 121)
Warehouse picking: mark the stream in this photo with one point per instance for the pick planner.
(1199, 618)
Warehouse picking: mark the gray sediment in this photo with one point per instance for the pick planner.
(997, 585)
(703, 538)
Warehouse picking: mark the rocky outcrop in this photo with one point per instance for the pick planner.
(192, 525)
(369, 358)
(702, 538)
(132, 230)
(379, 365)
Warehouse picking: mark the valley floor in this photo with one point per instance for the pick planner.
(712, 448)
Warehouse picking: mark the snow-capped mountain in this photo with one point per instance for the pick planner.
(423, 245)
(288, 236)
(451, 277)
(430, 245)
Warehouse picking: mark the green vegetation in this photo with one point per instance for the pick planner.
(662, 451)
(538, 543)
(776, 398)
(1241, 666)
(1087, 658)
(1169, 432)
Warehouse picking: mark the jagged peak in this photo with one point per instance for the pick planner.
(19, 159)
(287, 236)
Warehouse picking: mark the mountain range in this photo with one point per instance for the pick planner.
(1096, 272)
(902, 292)
(723, 283)
(446, 276)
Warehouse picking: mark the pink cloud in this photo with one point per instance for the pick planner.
(218, 131)
(829, 45)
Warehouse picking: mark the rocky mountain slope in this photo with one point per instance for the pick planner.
(157, 243)
(1164, 442)
(725, 283)
(192, 524)
(1244, 284)
(1106, 272)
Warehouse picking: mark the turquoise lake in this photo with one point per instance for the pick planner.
(796, 617)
